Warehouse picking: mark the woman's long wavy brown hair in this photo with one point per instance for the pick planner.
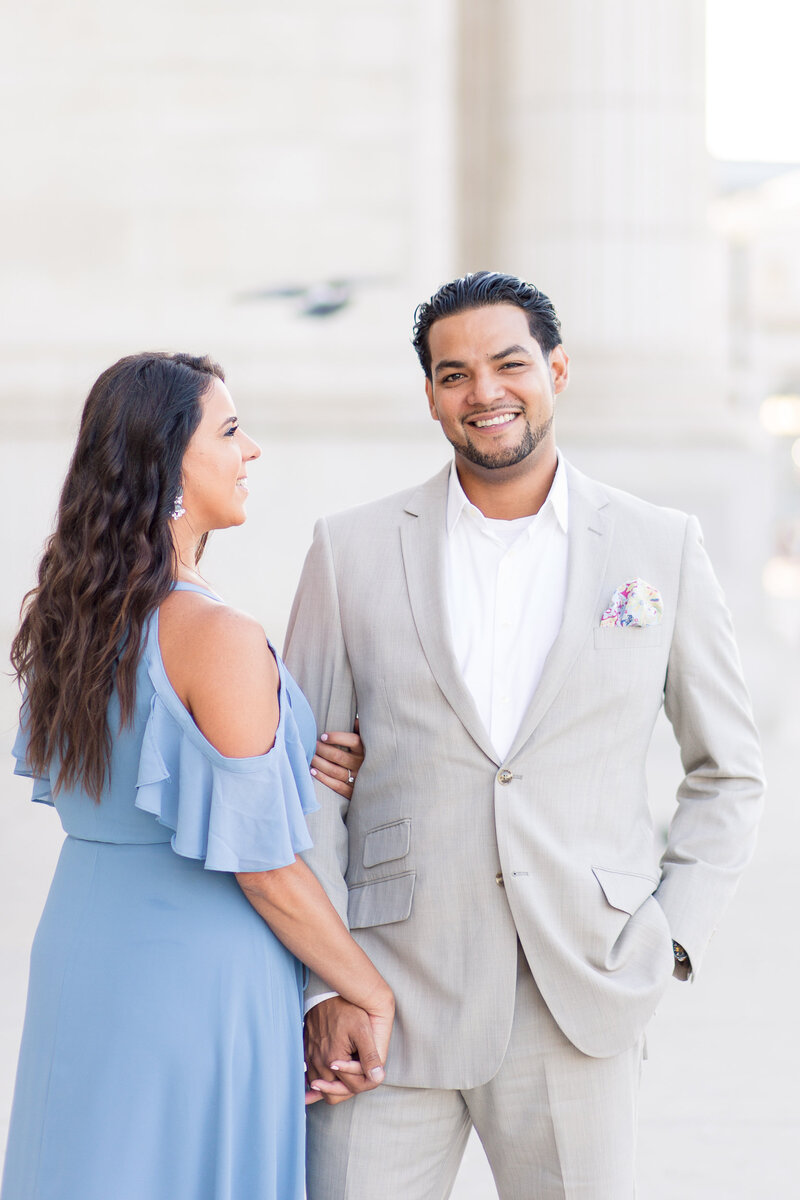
(110, 562)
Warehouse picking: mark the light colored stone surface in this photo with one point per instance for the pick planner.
(598, 175)
(164, 160)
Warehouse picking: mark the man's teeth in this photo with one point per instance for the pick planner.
(501, 419)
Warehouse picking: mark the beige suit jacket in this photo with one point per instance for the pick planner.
(446, 854)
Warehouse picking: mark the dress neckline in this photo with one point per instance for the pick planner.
(182, 586)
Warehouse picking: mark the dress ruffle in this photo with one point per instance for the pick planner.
(41, 783)
(235, 814)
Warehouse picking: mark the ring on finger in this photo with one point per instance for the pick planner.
(351, 777)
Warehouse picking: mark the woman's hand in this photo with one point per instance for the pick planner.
(337, 760)
(346, 1046)
(355, 1024)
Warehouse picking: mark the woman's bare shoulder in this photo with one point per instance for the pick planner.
(201, 624)
(219, 662)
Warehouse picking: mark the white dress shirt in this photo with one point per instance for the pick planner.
(506, 582)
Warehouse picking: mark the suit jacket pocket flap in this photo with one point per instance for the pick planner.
(624, 889)
(387, 843)
(381, 901)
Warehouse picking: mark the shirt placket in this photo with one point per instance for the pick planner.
(506, 585)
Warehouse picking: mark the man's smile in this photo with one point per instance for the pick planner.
(485, 422)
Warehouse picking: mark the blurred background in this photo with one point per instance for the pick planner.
(279, 185)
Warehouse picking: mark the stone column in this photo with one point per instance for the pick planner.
(583, 168)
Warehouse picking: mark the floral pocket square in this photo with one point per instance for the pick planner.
(634, 603)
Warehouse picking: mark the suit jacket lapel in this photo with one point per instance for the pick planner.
(422, 536)
(588, 549)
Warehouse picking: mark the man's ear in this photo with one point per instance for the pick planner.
(429, 394)
(559, 368)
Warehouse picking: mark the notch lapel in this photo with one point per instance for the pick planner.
(422, 537)
(588, 548)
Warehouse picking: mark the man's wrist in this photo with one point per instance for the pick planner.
(313, 1001)
(681, 957)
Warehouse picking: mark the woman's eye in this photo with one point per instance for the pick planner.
(231, 430)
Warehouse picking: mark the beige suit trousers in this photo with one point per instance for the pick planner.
(555, 1125)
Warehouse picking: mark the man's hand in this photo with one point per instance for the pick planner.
(346, 1049)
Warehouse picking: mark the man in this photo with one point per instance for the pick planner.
(507, 634)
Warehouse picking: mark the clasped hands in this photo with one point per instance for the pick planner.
(346, 1047)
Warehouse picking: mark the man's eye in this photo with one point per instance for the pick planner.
(453, 378)
(512, 364)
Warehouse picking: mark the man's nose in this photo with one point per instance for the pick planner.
(487, 387)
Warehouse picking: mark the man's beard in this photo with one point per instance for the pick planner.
(510, 456)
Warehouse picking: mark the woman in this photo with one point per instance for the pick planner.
(161, 1055)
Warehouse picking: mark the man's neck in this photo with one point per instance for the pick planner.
(507, 493)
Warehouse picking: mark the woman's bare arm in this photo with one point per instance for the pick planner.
(219, 663)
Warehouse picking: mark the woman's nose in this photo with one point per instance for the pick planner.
(251, 449)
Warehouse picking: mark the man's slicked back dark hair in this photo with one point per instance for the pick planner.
(477, 291)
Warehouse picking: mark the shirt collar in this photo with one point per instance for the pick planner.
(557, 497)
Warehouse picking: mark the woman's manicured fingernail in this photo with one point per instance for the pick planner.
(314, 772)
(323, 737)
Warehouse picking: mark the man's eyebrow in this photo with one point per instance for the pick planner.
(453, 364)
(509, 351)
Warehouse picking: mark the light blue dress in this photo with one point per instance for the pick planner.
(162, 1055)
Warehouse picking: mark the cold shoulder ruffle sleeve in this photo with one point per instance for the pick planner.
(236, 814)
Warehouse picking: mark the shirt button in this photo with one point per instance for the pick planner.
(505, 776)
(499, 879)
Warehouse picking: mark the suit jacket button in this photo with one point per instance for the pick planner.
(505, 776)
(499, 879)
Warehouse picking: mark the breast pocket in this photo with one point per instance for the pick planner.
(387, 842)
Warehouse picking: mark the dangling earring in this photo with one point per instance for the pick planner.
(177, 509)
